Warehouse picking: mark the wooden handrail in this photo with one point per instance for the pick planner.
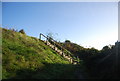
(47, 37)
(55, 43)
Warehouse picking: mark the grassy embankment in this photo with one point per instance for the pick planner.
(28, 57)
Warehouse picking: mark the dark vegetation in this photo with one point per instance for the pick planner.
(22, 31)
(25, 57)
(100, 64)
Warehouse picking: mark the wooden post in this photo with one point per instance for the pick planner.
(40, 36)
(77, 60)
(47, 40)
(54, 45)
(62, 50)
(71, 60)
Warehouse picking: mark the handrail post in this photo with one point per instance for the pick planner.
(54, 45)
(47, 40)
(78, 60)
(40, 36)
(62, 50)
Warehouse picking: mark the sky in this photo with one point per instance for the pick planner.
(89, 24)
(0, 14)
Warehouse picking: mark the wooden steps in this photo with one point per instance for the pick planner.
(59, 51)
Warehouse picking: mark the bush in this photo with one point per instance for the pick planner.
(67, 41)
(22, 31)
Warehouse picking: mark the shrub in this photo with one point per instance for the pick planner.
(67, 41)
(22, 31)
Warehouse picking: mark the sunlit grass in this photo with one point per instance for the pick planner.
(24, 55)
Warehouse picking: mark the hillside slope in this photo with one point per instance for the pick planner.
(25, 57)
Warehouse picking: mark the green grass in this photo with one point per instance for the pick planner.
(28, 57)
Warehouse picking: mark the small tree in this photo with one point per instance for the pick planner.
(67, 41)
(22, 31)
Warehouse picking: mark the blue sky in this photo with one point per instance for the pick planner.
(92, 24)
(0, 13)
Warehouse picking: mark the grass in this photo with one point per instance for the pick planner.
(28, 57)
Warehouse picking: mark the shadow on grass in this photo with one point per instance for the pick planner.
(49, 71)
